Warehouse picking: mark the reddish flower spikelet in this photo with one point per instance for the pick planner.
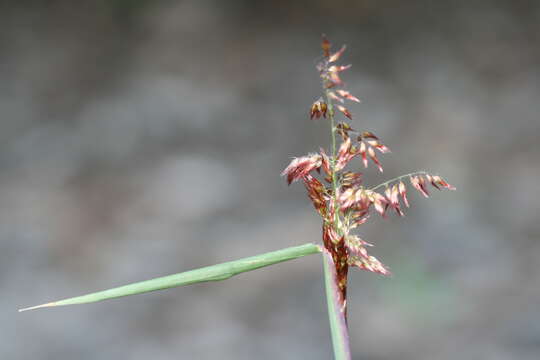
(439, 181)
(345, 154)
(377, 145)
(325, 162)
(373, 157)
(392, 194)
(368, 135)
(403, 193)
(356, 246)
(419, 184)
(345, 111)
(333, 80)
(358, 219)
(363, 154)
(347, 95)
(338, 69)
(302, 166)
(335, 56)
(370, 264)
(343, 129)
(379, 202)
(345, 203)
(345, 148)
(333, 96)
(351, 179)
(346, 199)
(429, 178)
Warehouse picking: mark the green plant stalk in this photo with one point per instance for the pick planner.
(210, 273)
(338, 323)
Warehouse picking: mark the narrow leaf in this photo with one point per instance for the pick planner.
(210, 273)
(338, 323)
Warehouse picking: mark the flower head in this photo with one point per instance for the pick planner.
(345, 202)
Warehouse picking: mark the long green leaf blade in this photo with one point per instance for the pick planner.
(338, 323)
(210, 273)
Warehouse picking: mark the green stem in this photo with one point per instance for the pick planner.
(210, 273)
(336, 315)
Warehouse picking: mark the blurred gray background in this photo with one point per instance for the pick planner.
(143, 138)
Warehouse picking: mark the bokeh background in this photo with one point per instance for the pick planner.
(143, 138)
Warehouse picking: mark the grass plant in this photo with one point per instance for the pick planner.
(338, 193)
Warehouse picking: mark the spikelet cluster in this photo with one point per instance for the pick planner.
(338, 194)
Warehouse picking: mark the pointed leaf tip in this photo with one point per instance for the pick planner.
(51, 304)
